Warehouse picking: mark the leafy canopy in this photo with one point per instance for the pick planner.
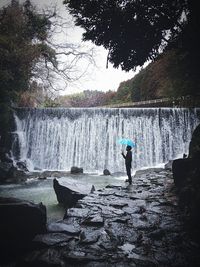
(134, 31)
(23, 33)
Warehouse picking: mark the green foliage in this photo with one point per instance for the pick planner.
(50, 103)
(170, 75)
(133, 31)
(87, 98)
(23, 33)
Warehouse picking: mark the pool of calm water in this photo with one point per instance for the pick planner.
(36, 190)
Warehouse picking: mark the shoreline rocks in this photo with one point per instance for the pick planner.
(68, 193)
(137, 225)
(76, 170)
(20, 222)
(186, 174)
(10, 173)
(133, 225)
(65, 195)
(106, 172)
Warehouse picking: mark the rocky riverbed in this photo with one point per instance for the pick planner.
(137, 225)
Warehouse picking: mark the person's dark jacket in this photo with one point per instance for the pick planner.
(128, 158)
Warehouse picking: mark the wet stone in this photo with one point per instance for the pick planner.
(108, 211)
(119, 232)
(51, 239)
(131, 210)
(89, 237)
(121, 219)
(138, 222)
(138, 225)
(77, 212)
(120, 194)
(81, 259)
(118, 205)
(106, 194)
(63, 227)
(95, 220)
(49, 257)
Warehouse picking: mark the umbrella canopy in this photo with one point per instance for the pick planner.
(126, 142)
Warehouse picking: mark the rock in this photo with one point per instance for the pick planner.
(82, 259)
(5, 166)
(22, 166)
(42, 176)
(168, 165)
(75, 170)
(4, 169)
(21, 219)
(6, 158)
(124, 228)
(92, 189)
(51, 239)
(50, 257)
(96, 221)
(11, 173)
(186, 173)
(181, 168)
(106, 172)
(194, 147)
(89, 237)
(77, 212)
(66, 196)
(16, 176)
(20, 222)
(62, 227)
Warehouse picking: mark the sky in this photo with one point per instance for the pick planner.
(98, 77)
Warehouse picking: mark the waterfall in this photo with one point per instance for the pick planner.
(59, 138)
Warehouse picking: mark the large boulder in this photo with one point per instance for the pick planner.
(69, 191)
(168, 165)
(106, 172)
(194, 147)
(186, 174)
(76, 170)
(21, 219)
(65, 195)
(20, 222)
(181, 168)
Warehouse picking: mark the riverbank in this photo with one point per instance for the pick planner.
(38, 187)
(121, 225)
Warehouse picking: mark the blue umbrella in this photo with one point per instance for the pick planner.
(126, 142)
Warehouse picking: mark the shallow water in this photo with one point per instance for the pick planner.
(37, 191)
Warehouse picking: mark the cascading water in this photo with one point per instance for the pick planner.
(59, 138)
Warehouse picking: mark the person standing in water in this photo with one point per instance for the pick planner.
(128, 161)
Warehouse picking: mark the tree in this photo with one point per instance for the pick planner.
(28, 50)
(28, 54)
(134, 31)
(23, 33)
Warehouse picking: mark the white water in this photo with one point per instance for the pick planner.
(57, 139)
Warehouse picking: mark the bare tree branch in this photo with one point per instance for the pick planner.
(70, 62)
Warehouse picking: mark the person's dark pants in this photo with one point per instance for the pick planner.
(128, 171)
